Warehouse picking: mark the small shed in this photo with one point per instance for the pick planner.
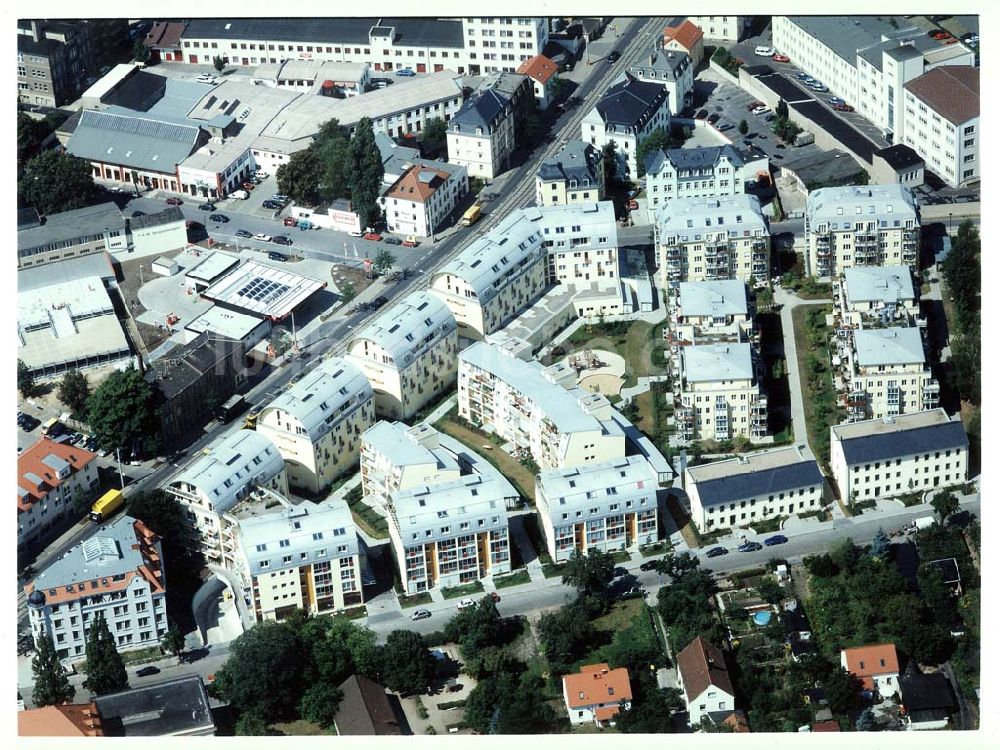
(165, 266)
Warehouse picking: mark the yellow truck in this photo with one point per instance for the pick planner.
(107, 504)
(471, 216)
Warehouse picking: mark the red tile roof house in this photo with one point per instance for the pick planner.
(596, 693)
(680, 35)
(542, 72)
(49, 476)
(705, 680)
(877, 667)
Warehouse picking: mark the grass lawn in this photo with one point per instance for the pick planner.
(654, 550)
(635, 343)
(815, 376)
(514, 579)
(143, 654)
(301, 727)
(452, 592)
(519, 475)
(621, 615)
(647, 413)
(551, 570)
(370, 522)
(405, 602)
(354, 613)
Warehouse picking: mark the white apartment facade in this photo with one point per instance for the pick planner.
(723, 28)
(574, 175)
(423, 197)
(707, 172)
(884, 458)
(720, 395)
(317, 423)
(210, 488)
(494, 278)
(626, 115)
(886, 373)
(581, 241)
(117, 573)
(754, 487)
(699, 239)
(450, 533)
(494, 44)
(408, 354)
(710, 310)
(50, 477)
(539, 409)
(300, 557)
(395, 457)
(608, 505)
(481, 134)
(942, 122)
(871, 225)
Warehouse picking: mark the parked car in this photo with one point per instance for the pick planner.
(713, 118)
(137, 214)
(778, 57)
(273, 205)
(281, 240)
(818, 87)
(494, 596)
(771, 541)
(380, 83)
(289, 221)
(355, 234)
(243, 233)
(466, 603)
(405, 72)
(770, 118)
(420, 614)
(701, 115)
(373, 236)
(750, 547)
(843, 107)
(801, 76)
(836, 100)
(614, 57)
(754, 105)
(648, 566)
(764, 51)
(206, 207)
(281, 198)
(724, 127)
(378, 302)
(221, 218)
(761, 110)
(393, 241)
(636, 592)
(632, 205)
(248, 186)
(262, 237)
(717, 552)
(147, 671)
(29, 423)
(171, 201)
(410, 242)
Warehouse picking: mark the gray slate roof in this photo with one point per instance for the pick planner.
(705, 157)
(482, 110)
(167, 216)
(132, 140)
(661, 65)
(727, 489)
(879, 446)
(574, 161)
(72, 225)
(845, 35)
(630, 102)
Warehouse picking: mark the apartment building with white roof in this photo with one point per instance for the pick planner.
(408, 353)
(754, 487)
(883, 458)
(867, 225)
(451, 533)
(723, 237)
(883, 372)
(300, 557)
(317, 423)
(607, 505)
(539, 409)
(719, 393)
(705, 310)
(877, 295)
(118, 573)
(581, 240)
(211, 487)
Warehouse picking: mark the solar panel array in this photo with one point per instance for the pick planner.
(263, 290)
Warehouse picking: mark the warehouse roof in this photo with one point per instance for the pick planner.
(75, 224)
(173, 707)
(169, 215)
(889, 346)
(903, 435)
(72, 269)
(755, 474)
(133, 140)
(263, 290)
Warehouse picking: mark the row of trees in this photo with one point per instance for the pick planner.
(963, 272)
(337, 165)
(52, 182)
(782, 126)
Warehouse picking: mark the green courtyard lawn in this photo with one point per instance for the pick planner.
(480, 442)
(819, 399)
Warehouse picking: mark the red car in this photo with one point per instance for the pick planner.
(753, 105)
(781, 58)
(373, 236)
(289, 221)
(174, 202)
(409, 243)
(633, 205)
(248, 186)
(843, 107)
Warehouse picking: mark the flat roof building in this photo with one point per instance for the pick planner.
(171, 708)
(881, 293)
(717, 309)
(261, 290)
(73, 233)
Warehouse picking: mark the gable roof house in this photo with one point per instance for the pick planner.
(705, 681)
(365, 709)
(596, 694)
(481, 134)
(681, 35)
(626, 114)
(877, 666)
(542, 72)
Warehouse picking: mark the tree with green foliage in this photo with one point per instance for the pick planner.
(509, 703)
(263, 673)
(251, 724)
(104, 666)
(781, 110)
(743, 127)
(159, 510)
(25, 380)
(74, 390)
(881, 545)
(865, 721)
(770, 590)
(299, 177)
(965, 364)
(31, 133)
(652, 708)
(365, 173)
(54, 181)
(658, 140)
(566, 635)
(435, 130)
(479, 627)
(332, 149)
(219, 63)
(347, 291)
(122, 413)
(685, 606)
(945, 505)
(140, 52)
(173, 642)
(52, 685)
(609, 155)
(320, 702)
(591, 573)
(408, 667)
(383, 262)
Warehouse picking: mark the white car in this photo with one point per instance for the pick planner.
(761, 110)
(262, 237)
(466, 603)
(763, 51)
(355, 234)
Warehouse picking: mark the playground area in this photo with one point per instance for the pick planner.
(598, 370)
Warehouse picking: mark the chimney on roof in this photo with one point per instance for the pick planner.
(36, 32)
